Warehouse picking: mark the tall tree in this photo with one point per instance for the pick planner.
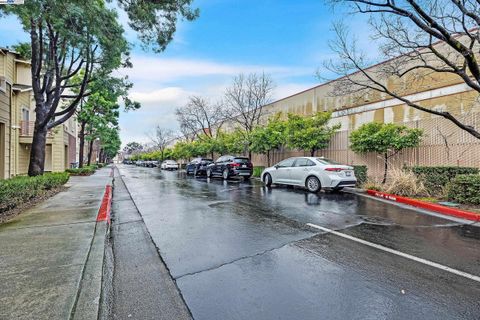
(245, 100)
(416, 38)
(101, 107)
(386, 139)
(246, 97)
(133, 148)
(155, 21)
(110, 144)
(200, 117)
(161, 138)
(310, 133)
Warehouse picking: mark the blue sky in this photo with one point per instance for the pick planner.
(284, 38)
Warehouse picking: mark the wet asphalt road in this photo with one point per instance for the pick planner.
(238, 250)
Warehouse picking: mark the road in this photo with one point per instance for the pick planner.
(238, 250)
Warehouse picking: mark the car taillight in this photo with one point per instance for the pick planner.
(333, 169)
(234, 164)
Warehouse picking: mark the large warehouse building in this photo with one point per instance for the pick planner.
(443, 142)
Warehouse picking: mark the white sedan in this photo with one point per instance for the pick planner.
(312, 173)
(169, 165)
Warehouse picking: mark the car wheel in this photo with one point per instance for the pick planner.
(225, 174)
(267, 179)
(313, 184)
(209, 173)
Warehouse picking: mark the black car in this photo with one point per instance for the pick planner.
(229, 166)
(198, 166)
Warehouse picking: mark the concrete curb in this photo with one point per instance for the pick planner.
(467, 215)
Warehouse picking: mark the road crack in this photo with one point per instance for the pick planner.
(244, 258)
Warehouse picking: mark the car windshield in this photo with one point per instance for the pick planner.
(327, 161)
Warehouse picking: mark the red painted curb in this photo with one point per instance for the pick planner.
(105, 208)
(427, 205)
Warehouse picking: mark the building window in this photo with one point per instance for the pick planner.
(25, 114)
(3, 84)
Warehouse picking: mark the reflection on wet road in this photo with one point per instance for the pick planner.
(239, 250)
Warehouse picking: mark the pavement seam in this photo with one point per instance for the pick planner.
(42, 268)
(155, 245)
(52, 225)
(246, 257)
(80, 284)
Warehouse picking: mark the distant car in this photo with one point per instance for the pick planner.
(151, 164)
(313, 173)
(229, 166)
(140, 163)
(169, 165)
(198, 166)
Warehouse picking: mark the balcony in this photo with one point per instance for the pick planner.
(26, 131)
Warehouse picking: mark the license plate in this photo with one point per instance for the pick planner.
(244, 166)
(348, 173)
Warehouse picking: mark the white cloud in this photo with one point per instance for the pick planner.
(161, 70)
(169, 95)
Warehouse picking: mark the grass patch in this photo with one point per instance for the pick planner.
(257, 171)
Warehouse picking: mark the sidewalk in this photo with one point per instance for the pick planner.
(51, 256)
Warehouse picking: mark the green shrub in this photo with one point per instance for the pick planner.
(20, 189)
(257, 171)
(360, 174)
(85, 171)
(436, 179)
(465, 188)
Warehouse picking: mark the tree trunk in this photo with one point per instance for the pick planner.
(312, 153)
(268, 158)
(386, 168)
(90, 149)
(100, 156)
(37, 153)
(81, 136)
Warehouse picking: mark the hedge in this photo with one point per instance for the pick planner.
(360, 174)
(465, 188)
(436, 179)
(85, 171)
(17, 190)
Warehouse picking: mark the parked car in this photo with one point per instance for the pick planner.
(312, 173)
(139, 163)
(151, 163)
(169, 165)
(198, 166)
(229, 166)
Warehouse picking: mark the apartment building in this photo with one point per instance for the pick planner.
(17, 118)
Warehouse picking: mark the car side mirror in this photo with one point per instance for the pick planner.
(276, 166)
